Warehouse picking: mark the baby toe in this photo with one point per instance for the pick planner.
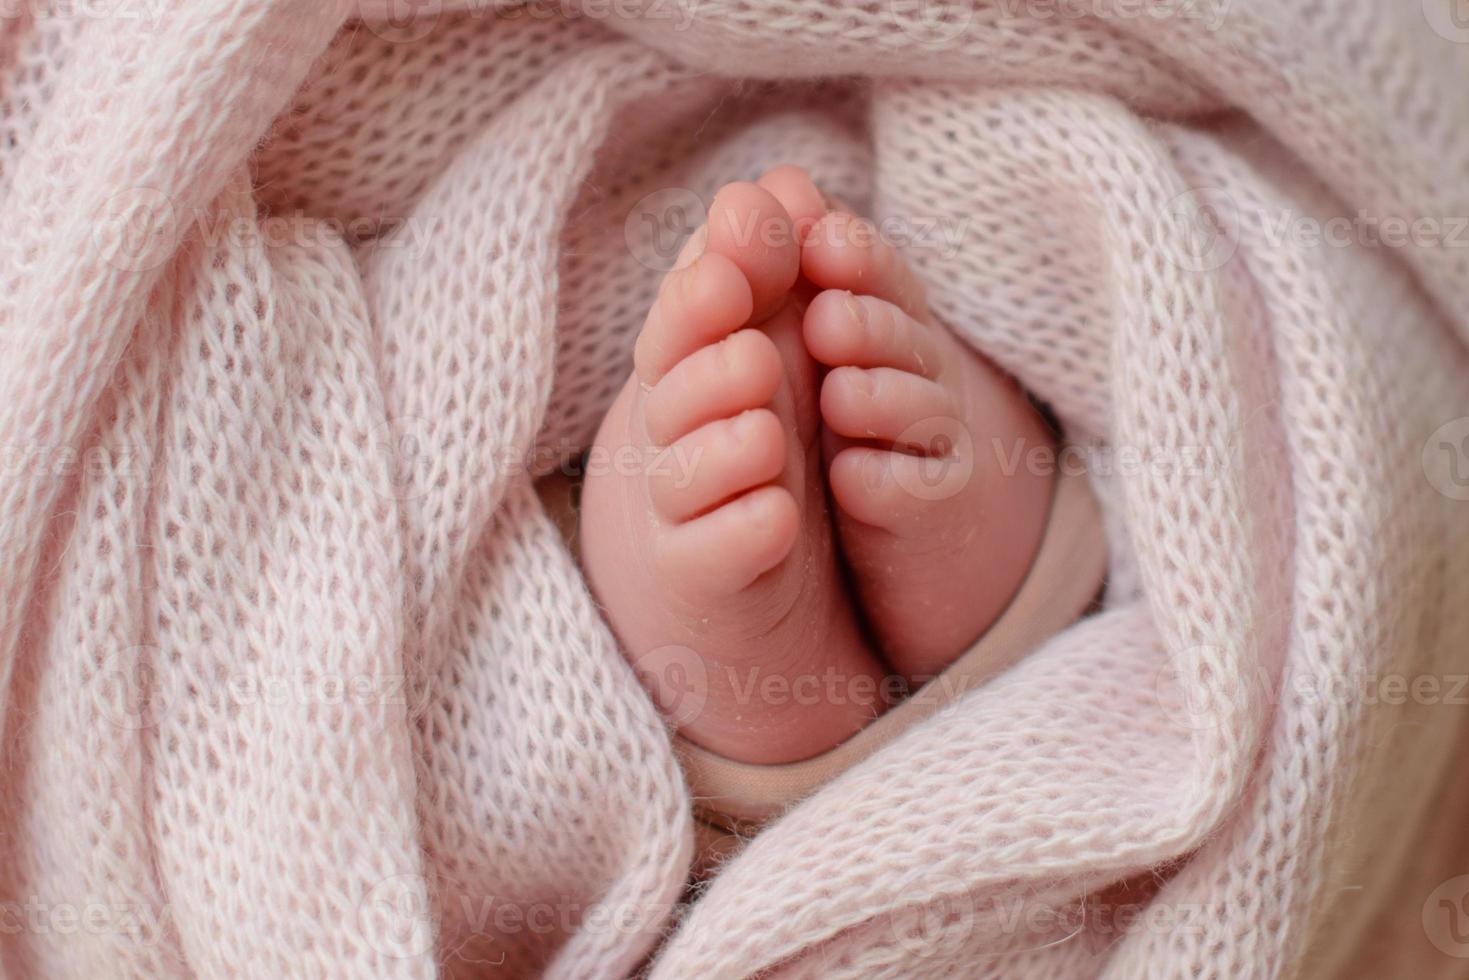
(716, 463)
(842, 328)
(727, 549)
(749, 226)
(843, 251)
(740, 372)
(797, 193)
(697, 305)
(887, 405)
(893, 490)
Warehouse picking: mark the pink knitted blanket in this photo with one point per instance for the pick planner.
(298, 298)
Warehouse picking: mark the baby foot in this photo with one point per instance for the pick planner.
(715, 561)
(937, 527)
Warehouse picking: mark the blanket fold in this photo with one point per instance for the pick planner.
(297, 676)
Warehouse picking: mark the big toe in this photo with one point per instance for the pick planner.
(844, 251)
(804, 203)
(750, 227)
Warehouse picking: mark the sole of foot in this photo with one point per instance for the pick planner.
(921, 435)
(711, 547)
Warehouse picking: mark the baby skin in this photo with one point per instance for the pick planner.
(821, 507)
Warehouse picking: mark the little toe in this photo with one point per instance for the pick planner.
(697, 305)
(885, 404)
(727, 549)
(716, 463)
(843, 251)
(749, 226)
(842, 328)
(894, 490)
(740, 372)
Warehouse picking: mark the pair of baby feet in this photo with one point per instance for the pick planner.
(792, 512)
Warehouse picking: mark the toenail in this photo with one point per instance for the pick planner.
(856, 309)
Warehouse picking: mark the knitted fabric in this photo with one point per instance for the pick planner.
(297, 299)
